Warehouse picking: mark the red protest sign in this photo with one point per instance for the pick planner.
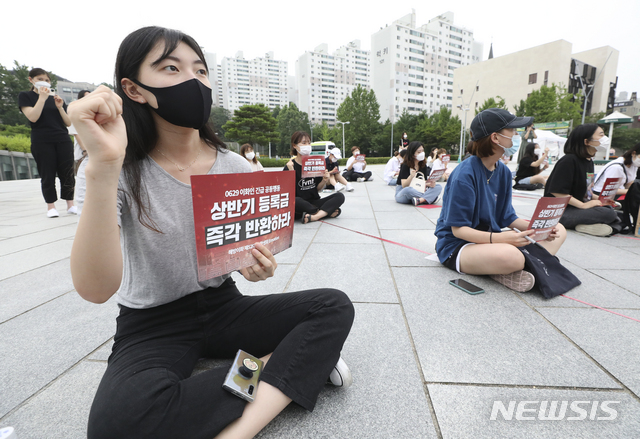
(445, 159)
(436, 174)
(609, 190)
(546, 216)
(312, 166)
(360, 157)
(233, 212)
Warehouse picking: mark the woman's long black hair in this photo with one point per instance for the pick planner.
(142, 134)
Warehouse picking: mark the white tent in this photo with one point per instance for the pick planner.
(614, 118)
(548, 139)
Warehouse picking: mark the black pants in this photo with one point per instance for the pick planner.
(147, 390)
(352, 175)
(55, 158)
(329, 204)
(573, 216)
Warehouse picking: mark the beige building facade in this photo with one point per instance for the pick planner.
(514, 76)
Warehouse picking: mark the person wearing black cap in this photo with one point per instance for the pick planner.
(476, 206)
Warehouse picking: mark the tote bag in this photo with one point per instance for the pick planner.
(419, 183)
(552, 278)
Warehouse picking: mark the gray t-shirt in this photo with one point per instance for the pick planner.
(162, 267)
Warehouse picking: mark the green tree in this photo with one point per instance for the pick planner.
(521, 110)
(406, 123)
(492, 103)
(290, 120)
(252, 124)
(624, 138)
(219, 116)
(440, 130)
(11, 84)
(362, 111)
(552, 104)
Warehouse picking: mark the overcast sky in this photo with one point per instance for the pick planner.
(78, 40)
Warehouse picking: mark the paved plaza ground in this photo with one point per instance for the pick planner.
(428, 360)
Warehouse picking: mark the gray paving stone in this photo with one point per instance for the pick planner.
(610, 339)
(629, 242)
(356, 207)
(595, 289)
(404, 257)
(627, 278)
(408, 220)
(23, 242)
(365, 279)
(302, 237)
(389, 205)
(29, 290)
(103, 352)
(466, 412)
(32, 258)
(338, 235)
(432, 214)
(43, 343)
(62, 409)
(490, 338)
(387, 398)
(592, 252)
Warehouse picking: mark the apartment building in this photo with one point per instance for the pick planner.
(412, 67)
(325, 79)
(259, 80)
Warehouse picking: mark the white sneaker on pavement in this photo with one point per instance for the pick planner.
(370, 178)
(595, 229)
(73, 210)
(52, 213)
(360, 179)
(349, 187)
(341, 375)
(339, 187)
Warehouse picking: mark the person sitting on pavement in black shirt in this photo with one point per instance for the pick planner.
(529, 167)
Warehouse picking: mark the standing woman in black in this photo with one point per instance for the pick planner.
(51, 146)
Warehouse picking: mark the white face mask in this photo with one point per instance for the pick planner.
(356, 152)
(250, 155)
(333, 159)
(405, 136)
(420, 156)
(636, 161)
(604, 141)
(536, 151)
(305, 149)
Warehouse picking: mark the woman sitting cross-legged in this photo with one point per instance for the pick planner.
(413, 164)
(476, 206)
(529, 167)
(309, 206)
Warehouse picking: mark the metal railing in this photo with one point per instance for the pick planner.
(17, 166)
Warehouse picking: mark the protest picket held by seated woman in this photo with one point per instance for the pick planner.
(476, 206)
(309, 206)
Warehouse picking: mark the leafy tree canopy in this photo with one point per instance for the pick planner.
(497, 102)
(440, 130)
(218, 118)
(252, 124)
(290, 119)
(362, 111)
(11, 84)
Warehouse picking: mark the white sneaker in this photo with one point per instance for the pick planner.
(339, 187)
(73, 210)
(360, 179)
(349, 187)
(370, 178)
(341, 375)
(52, 213)
(595, 229)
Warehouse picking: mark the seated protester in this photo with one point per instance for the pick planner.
(625, 168)
(439, 164)
(432, 156)
(477, 205)
(336, 180)
(529, 167)
(414, 162)
(569, 178)
(392, 168)
(246, 151)
(356, 169)
(309, 206)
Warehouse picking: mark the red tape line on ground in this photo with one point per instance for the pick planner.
(422, 251)
(376, 237)
(603, 309)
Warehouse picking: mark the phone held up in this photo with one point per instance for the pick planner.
(243, 375)
(466, 286)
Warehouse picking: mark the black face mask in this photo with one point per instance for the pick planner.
(187, 104)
